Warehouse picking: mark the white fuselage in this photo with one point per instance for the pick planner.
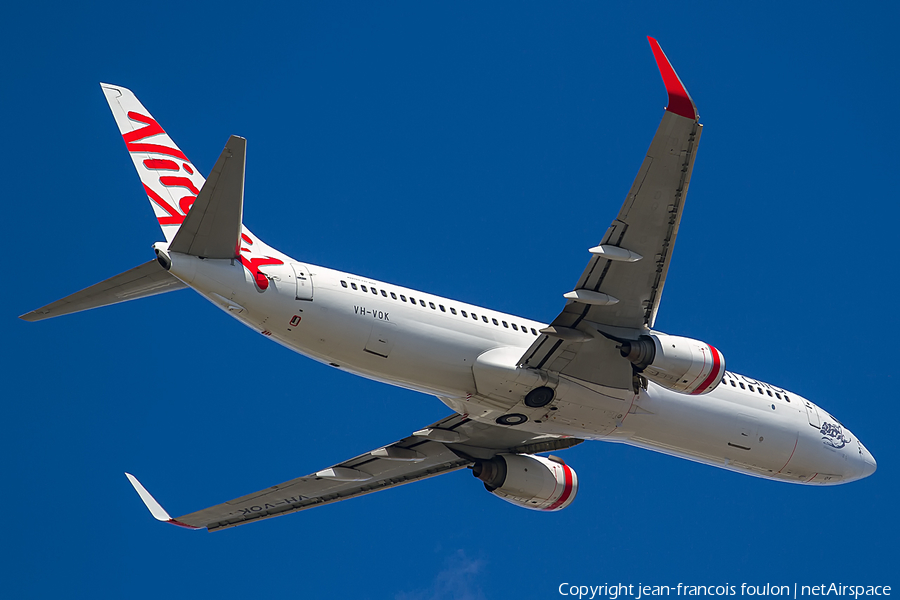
(467, 355)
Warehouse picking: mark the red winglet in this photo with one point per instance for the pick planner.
(180, 524)
(680, 101)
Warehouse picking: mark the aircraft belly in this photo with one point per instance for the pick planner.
(381, 344)
(579, 408)
(715, 430)
(478, 377)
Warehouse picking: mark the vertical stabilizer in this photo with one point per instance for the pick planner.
(170, 180)
(213, 227)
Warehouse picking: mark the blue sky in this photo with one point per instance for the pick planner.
(476, 152)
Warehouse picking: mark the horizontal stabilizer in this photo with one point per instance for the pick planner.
(212, 228)
(149, 279)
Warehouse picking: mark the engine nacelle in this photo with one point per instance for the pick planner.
(530, 481)
(676, 363)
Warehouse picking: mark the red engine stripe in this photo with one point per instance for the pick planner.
(717, 362)
(567, 490)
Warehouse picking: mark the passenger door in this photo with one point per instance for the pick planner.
(303, 280)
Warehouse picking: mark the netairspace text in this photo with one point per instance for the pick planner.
(614, 591)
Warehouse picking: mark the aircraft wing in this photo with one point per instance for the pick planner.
(620, 288)
(450, 444)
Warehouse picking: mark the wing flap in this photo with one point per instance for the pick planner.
(646, 225)
(149, 279)
(315, 490)
(309, 492)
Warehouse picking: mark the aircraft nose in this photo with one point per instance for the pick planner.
(869, 464)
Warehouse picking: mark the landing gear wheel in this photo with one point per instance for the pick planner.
(539, 397)
(512, 419)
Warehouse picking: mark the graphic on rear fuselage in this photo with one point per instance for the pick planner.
(253, 264)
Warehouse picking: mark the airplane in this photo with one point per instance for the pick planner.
(519, 389)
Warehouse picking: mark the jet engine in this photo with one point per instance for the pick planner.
(676, 363)
(527, 480)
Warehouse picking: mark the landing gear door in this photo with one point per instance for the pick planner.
(304, 281)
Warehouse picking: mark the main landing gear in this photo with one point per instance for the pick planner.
(536, 398)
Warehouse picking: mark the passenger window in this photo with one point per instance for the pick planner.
(441, 306)
(364, 288)
(524, 329)
(777, 395)
(422, 303)
(393, 295)
(495, 322)
(384, 293)
(505, 325)
(411, 299)
(374, 291)
(343, 283)
(402, 297)
(760, 391)
(732, 384)
(431, 304)
(474, 316)
(742, 386)
(769, 393)
(786, 397)
(515, 327)
(452, 311)
(464, 314)
(533, 331)
(353, 285)
(484, 318)
(751, 388)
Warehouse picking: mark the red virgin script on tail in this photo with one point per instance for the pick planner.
(166, 179)
(132, 138)
(152, 128)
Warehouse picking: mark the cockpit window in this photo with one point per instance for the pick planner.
(833, 419)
